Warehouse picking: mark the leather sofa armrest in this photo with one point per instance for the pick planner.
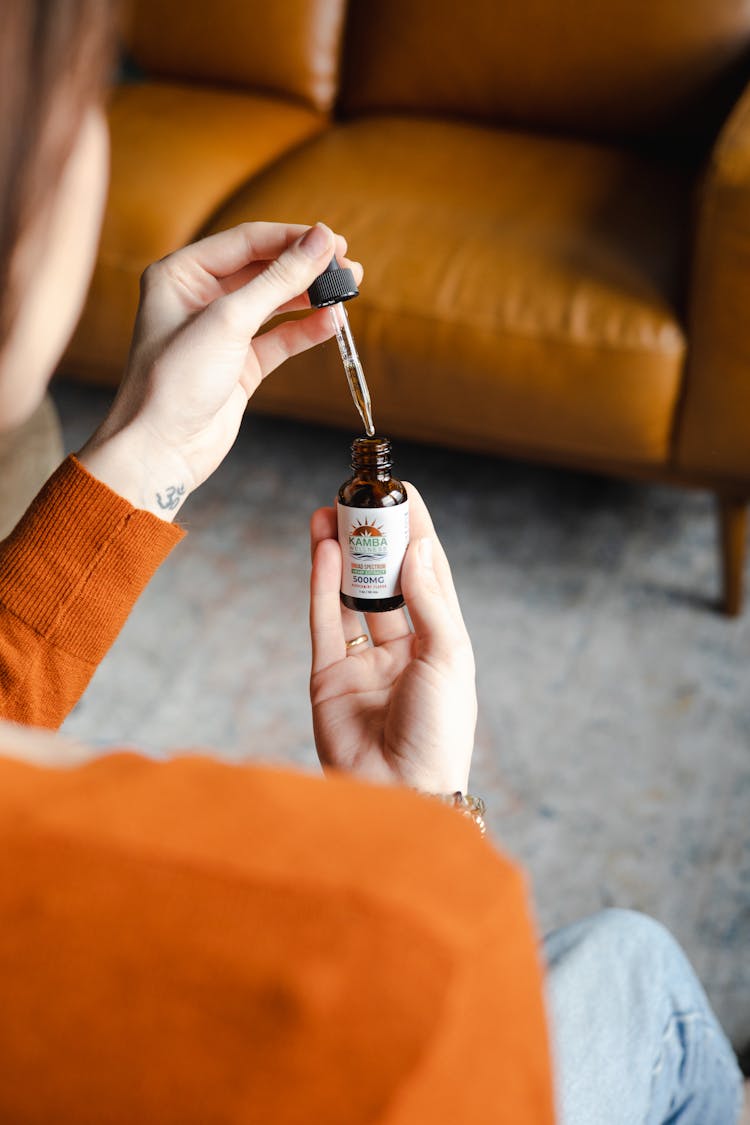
(713, 433)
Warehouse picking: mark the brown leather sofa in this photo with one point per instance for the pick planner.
(552, 203)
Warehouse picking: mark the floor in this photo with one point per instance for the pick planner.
(613, 746)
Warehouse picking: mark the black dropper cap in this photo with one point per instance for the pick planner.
(333, 285)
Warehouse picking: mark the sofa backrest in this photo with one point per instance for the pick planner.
(613, 68)
(287, 47)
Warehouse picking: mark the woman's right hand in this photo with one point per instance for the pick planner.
(196, 357)
(401, 709)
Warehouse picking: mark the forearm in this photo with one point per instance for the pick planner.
(70, 573)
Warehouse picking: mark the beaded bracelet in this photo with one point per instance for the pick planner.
(468, 806)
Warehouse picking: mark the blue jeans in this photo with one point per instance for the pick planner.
(633, 1036)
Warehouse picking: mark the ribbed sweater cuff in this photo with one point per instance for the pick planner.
(78, 560)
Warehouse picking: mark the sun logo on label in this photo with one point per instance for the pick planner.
(367, 541)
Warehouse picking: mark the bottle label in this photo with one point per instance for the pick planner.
(373, 544)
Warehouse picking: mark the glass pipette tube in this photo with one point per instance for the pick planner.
(352, 365)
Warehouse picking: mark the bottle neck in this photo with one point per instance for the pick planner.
(372, 457)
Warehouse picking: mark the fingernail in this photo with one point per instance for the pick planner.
(425, 553)
(316, 240)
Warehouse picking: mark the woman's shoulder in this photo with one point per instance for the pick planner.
(249, 822)
(321, 941)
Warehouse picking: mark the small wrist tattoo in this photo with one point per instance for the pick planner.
(175, 492)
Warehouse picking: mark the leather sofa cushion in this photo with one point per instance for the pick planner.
(290, 48)
(520, 295)
(178, 153)
(625, 68)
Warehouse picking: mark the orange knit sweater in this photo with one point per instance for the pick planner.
(192, 942)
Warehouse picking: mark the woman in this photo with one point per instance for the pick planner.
(188, 941)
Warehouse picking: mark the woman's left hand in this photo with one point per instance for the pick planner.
(402, 708)
(196, 357)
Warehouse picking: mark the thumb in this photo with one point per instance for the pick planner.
(283, 279)
(433, 622)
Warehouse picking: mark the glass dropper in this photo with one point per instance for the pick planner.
(330, 290)
(355, 376)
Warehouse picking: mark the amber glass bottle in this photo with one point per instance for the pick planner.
(373, 523)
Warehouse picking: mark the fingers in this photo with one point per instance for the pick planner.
(439, 632)
(241, 313)
(323, 526)
(421, 526)
(228, 251)
(291, 338)
(387, 626)
(234, 281)
(326, 625)
(203, 274)
(303, 302)
(428, 590)
(382, 626)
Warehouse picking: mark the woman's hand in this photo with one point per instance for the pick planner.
(401, 709)
(195, 359)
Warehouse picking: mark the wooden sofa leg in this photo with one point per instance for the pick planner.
(732, 531)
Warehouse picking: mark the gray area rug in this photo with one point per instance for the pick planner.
(614, 735)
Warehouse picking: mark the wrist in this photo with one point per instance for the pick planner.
(446, 781)
(148, 476)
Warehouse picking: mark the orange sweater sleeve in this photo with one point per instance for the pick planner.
(70, 573)
(190, 941)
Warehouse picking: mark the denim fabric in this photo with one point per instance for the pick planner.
(633, 1035)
